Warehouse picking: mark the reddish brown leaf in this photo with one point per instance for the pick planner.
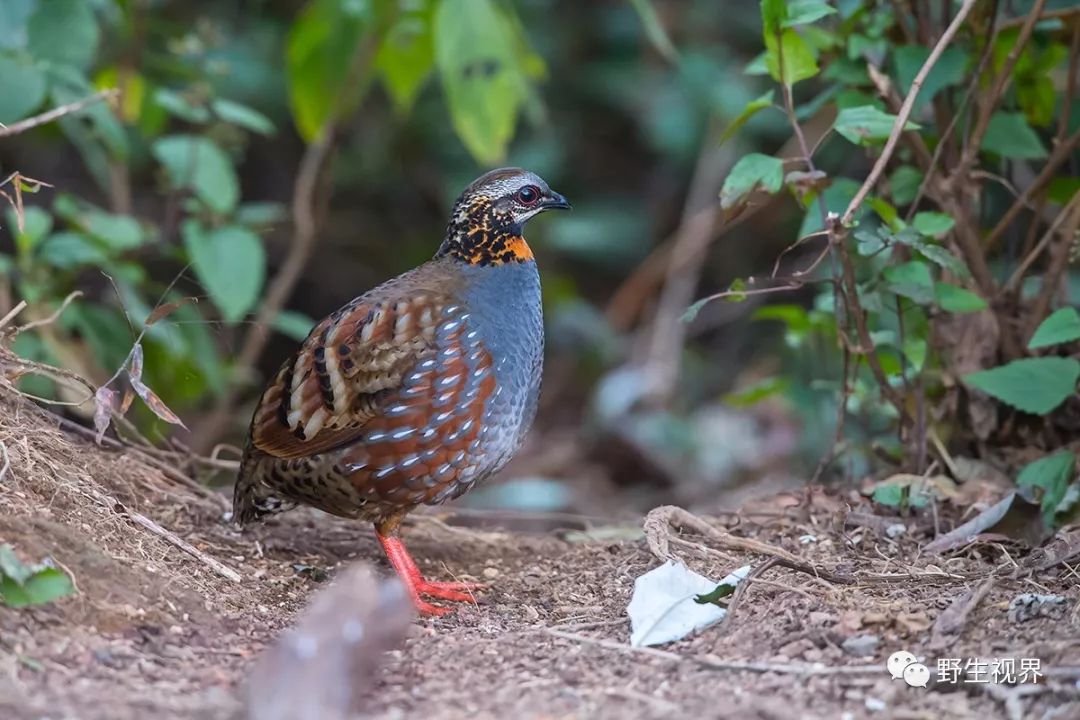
(162, 311)
(156, 404)
(125, 404)
(104, 407)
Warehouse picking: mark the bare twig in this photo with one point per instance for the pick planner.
(1013, 284)
(1055, 270)
(12, 313)
(167, 535)
(56, 113)
(52, 318)
(990, 100)
(905, 111)
(715, 663)
(7, 460)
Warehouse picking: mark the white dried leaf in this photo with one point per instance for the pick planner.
(663, 608)
(104, 407)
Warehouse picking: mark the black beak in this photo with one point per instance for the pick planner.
(555, 201)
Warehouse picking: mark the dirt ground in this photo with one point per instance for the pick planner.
(156, 632)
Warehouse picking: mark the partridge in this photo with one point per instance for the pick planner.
(417, 390)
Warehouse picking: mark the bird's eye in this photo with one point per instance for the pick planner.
(528, 195)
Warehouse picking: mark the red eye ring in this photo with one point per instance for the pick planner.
(528, 195)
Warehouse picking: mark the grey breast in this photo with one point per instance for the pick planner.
(504, 307)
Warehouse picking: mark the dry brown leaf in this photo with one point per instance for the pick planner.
(104, 407)
(162, 311)
(156, 404)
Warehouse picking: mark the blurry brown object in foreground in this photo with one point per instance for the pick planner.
(321, 668)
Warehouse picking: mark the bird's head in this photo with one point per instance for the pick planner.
(489, 218)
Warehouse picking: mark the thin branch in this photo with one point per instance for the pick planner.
(52, 318)
(56, 113)
(7, 461)
(168, 535)
(12, 313)
(1055, 271)
(905, 111)
(1013, 285)
(990, 101)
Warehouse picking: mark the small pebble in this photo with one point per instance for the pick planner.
(491, 573)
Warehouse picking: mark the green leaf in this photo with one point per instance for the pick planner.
(1033, 385)
(933, 224)
(752, 172)
(243, 116)
(24, 585)
(321, 46)
(64, 32)
(904, 183)
(798, 59)
(1052, 474)
(67, 250)
(481, 75)
(294, 325)
(803, 12)
(654, 29)
(949, 70)
(773, 15)
(749, 110)
(1010, 136)
(22, 88)
(943, 258)
(958, 300)
(912, 280)
(891, 495)
(716, 594)
(1061, 326)
(866, 125)
(230, 263)
(407, 55)
(42, 587)
(178, 105)
(757, 392)
(197, 164)
(36, 225)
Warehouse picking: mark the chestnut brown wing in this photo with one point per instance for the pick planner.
(350, 364)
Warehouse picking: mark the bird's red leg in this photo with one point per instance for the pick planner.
(414, 581)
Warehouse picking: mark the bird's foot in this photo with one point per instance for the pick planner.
(418, 587)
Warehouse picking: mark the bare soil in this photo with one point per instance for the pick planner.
(156, 632)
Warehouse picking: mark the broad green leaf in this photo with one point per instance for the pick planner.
(866, 125)
(480, 73)
(407, 55)
(1033, 385)
(802, 12)
(64, 32)
(791, 53)
(1037, 99)
(36, 225)
(294, 325)
(14, 17)
(67, 250)
(958, 300)
(1010, 136)
(230, 263)
(1061, 326)
(773, 15)
(891, 494)
(1053, 474)
(757, 392)
(243, 116)
(943, 258)
(197, 164)
(22, 88)
(752, 172)
(654, 29)
(912, 280)
(44, 586)
(904, 183)
(322, 44)
(949, 70)
(749, 110)
(178, 105)
(933, 224)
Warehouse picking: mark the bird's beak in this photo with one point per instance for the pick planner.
(555, 201)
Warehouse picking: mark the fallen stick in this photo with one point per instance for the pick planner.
(167, 535)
